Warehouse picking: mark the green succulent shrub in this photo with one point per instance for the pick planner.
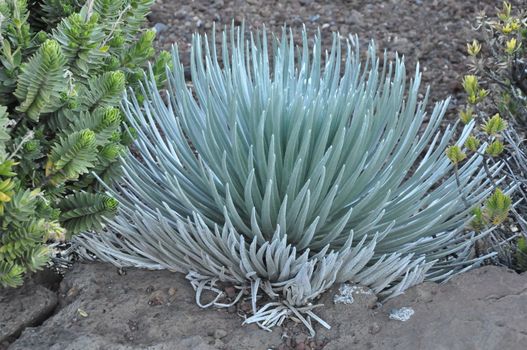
(64, 66)
(282, 176)
(25, 219)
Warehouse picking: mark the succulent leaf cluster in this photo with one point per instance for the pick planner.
(283, 174)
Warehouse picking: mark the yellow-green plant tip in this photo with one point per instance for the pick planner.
(497, 207)
(495, 148)
(511, 25)
(472, 143)
(455, 154)
(495, 125)
(11, 274)
(111, 151)
(112, 116)
(87, 137)
(111, 204)
(482, 93)
(466, 115)
(511, 46)
(473, 48)
(471, 84)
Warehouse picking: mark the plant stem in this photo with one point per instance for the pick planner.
(487, 171)
(115, 24)
(458, 183)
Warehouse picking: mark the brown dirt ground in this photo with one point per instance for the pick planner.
(433, 32)
(99, 308)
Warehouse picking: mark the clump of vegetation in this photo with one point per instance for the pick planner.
(64, 66)
(496, 91)
(284, 177)
(25, 218)
(500, 60)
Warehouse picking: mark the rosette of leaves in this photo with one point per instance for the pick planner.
(283, 176)
(63, 68)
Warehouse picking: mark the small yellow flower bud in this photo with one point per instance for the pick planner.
(470, 84)
(510, 26)
(506, 29)
(473, 48)
(510, 46)
(515, 24)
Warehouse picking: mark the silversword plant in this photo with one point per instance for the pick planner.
(283, 176)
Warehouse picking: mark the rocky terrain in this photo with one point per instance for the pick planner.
(99, 307)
